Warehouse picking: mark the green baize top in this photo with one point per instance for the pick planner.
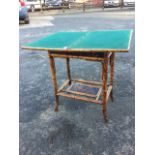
(107, 39)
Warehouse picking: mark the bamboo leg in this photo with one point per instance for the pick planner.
(53, 75)
(68, 70)
(104, 80)
(112, 59)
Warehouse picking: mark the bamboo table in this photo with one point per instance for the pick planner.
(99, 46)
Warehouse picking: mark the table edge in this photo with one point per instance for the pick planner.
(73, 50)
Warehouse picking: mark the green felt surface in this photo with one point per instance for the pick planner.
(108, 39)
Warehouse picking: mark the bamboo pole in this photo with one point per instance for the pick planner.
(68, 70)
(78, 57)
(63, 85)
(112, 60)
(104, 80)
(53, 76)
(89, 85)
(99, 93)
(108, 54)
(79, 98)
(79, 93)
(108, 92)
(96, 83)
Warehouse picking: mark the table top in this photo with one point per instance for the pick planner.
(99, 41)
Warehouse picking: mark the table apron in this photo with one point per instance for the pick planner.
(89, 57)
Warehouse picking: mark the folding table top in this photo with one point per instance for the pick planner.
(99, 41)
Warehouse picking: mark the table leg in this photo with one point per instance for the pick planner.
(112, 59)
(68, 70)
(104, 80)
(53, 75)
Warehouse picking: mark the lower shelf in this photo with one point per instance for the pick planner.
(90, 91)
